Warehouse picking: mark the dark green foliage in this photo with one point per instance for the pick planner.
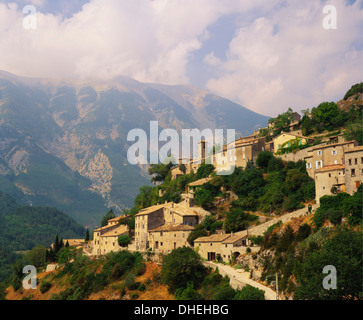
(344, 252)
(188, 293)
(327, 114)
(303, 232)
(205, 170)
(341, 205)
(263, 159)
(236, 220)
(198, 232)
(160, 171)
(250, 293)
(355, 89)
(353, 207)
(123, 240)
(181, 266)
(204, 197)
(23, 227)
(217, 287)
(109, 215)
(45, 286)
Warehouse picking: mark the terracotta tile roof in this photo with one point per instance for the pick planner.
(173, 227)
(331, 168)
(213, 238)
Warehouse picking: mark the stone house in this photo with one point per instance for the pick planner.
(167, 216)
(335, 167)
(105, 239)
(169, 237)
(222, 246)
(147, 219)
(353, 169)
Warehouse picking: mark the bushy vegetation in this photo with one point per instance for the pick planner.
(354, 90)
(299, 258)
(327, 116)
(185, 275)
(334, 208)
(84, 280)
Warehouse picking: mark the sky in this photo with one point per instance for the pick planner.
(265, 55)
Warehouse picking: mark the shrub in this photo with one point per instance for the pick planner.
(250, 293)
(123, 240)
(129, 281)
(181, 266)
(45, 286)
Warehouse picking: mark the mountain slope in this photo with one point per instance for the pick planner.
(64, 142)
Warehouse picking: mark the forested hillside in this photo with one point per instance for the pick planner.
(23, 227)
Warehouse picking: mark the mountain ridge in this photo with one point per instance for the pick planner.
(64, 141)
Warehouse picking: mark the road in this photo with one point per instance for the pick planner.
(239, 280)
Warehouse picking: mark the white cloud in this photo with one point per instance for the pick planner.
(284, 58)
(299, 65)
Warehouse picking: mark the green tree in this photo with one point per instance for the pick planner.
(250, 293)
(344, 252)
(189, 293)
(355, 89)
(109, 215)
(263, 159)
(124, 240)
(205, 170)
(160, 172)
(181, 266)
(204, 198)
(198, 232)
(87, 238)
(36, 256)
(326, 113)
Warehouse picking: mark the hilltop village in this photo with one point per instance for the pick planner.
(332, 161)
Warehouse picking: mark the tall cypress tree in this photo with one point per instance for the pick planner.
(56, 244)
(87, 235)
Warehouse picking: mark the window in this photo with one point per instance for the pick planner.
(329, 175)
(353, 173)
(335, 161)
(211, 244)
(350, 162)
(355, 161)
(361, 160)
(323, 187)
(319, 164)
(161, 233)
(334, 152)
(320, 153)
